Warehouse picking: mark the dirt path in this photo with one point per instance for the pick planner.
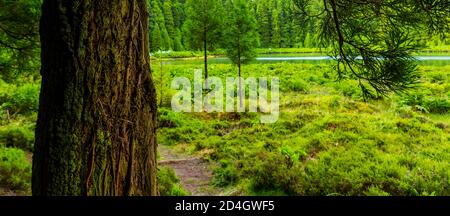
(195, 173)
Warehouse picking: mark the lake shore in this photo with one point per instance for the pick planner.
(288, 52)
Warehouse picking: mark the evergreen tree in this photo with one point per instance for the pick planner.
(286, 24)
(277, 35)
(265, 21)
(19, 38)
(166, 41)
(308, 42)
(300, 21)
(241, 37)
(169, 19)
(204, 26)
(178, 14)
(156, 43)
(177, 45)
(157, 27)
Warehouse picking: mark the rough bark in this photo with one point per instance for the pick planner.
(95, 133)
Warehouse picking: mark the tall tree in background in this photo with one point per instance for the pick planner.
(204, 26)
(168, 17)
(179, 18)
(265, 21)
(241, 37)
(157, 25)
(277, 36)
(284, 23)
(96, 127)
(179, 15)
(167, 41)
(177, 41)
(155, 38)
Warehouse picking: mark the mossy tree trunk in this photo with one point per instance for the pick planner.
(96, 127)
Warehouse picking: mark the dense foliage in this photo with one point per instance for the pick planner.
(19, 42)
(281, 23)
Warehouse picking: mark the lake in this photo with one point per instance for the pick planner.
(269, 59)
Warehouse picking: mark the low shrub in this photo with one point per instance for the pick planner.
(273, 172)
(421, 101)
(23, 100)
(169, 184)
(21, 137)
(226, 174)
(437, 105)
(297, 85)
(168, 119)
(348, 88)
(15, 170)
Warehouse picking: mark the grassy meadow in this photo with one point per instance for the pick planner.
(327, 141)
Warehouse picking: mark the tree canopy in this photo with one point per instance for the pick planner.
(241, 37)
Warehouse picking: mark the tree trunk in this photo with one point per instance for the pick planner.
(206, 60)
(241, 94)
(161, 84)
(95, 133)
(241, 98)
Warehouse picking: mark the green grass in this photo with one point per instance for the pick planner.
(15, 170)
(327, 141)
